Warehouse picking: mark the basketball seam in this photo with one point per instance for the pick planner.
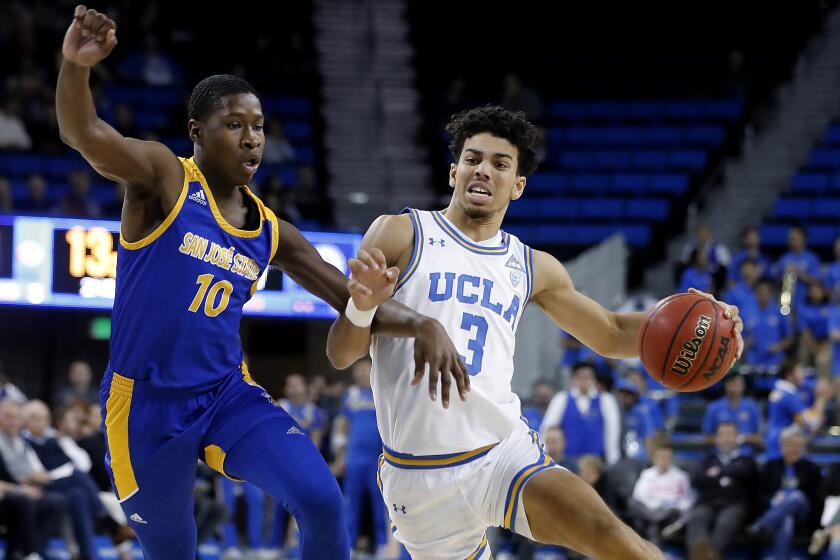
(714, 338)
(651, 314)
(676, 333)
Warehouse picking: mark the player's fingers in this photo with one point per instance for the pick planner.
(356, 287)
(379, 257)
(419, 365)
(79, 13)
(96, 25)
(87, 20)
(445, 384)
(392, 274)
(433, 380)
(365, 257)
(356, 266)
(460, 382)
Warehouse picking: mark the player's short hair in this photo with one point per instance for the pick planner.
(210, 92)
(498, 121)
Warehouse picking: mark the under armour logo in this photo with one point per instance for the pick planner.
(399, 508)
(432, 242)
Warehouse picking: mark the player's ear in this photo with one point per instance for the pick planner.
(194, 130)
(453, 169)
(518, 188)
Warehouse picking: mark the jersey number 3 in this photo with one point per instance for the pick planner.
(476, 344)
(211, 307)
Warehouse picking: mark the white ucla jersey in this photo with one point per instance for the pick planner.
(478, 292)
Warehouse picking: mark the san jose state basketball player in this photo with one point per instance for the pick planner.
(194, 241)
(448, 474)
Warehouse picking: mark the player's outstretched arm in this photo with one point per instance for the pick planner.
(140, 165)
(610, 334)
(389, 242)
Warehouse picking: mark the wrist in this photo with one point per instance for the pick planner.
(359, 318)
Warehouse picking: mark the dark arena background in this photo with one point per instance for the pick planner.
(689, 145)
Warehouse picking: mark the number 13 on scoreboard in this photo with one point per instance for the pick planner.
(101, 262)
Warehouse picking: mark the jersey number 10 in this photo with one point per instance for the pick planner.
(211, 307)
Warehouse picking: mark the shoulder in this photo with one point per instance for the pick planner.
(392, 234)
(549, 273)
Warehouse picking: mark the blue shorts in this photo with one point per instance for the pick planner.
(155, 437)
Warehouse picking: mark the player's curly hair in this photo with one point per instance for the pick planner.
(498, 121)
(210, 92)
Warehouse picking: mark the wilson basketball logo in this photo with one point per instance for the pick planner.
(690, 348)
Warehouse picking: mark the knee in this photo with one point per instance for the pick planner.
(322, 504)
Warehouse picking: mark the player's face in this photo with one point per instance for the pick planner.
(485, 178)
(232, 138)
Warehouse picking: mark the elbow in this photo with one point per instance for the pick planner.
(339, 360)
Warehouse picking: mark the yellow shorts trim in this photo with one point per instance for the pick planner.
(117, 409)
(215, 457)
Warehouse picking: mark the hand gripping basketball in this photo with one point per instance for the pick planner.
(90, 38)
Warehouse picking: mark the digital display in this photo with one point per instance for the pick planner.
(63, 262)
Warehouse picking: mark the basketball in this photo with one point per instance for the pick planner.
(687, 343)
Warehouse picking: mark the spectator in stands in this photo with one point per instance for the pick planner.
(151, 66)
(13, 134)
(5, 196)
(77, 201)
(647, 403)
(519, 97)
(18, 513)
(590, 419)
(812, 319)
(750, 250)
(787, 494)
(661, 496)
(828, 502)
(254, 502)
(541, 395)
(113, 209)
(698, 275)
(124, 117)
(307, 198)
(787, 408)
(741, 292)
(737, 409)
(278, 149)
(8, 390)
(799, 261)
(572, 350)
(638, 430)
(768, 334)
(209, 512)
(555, 446)
(831, 278)
(724, 486)
(80, 388)
(36, 196)
(282, 201)
(717, 254)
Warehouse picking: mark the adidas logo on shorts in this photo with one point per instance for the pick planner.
(198, 196)
(137, 519)
(294, 431)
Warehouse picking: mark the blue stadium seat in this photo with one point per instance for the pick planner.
(637, 235)
(586, 135)
(181, 145)
(526, 232)
(810, 182)
(555, 208)
(672, 183)
(655, 209)
(832, 134)
(666, 135)
(834, 182)
(297, 131)
(524, 209)
(144, 96)
(150, 120)
(824, 157)
(19, 190)
(305, 155)
(590, 183)
(102, 193)
(59, 166)
(821, 235)
(565, 110)
(774, 235)
(684, 109)
(649, 110)
(729, 109)
(792, 208)
(707, 136)
(690, 159)
(19, 165)
(576, 159)
(630, 183)
(826, 208)
(287, 106)
(625, 135)
(548, 182)
(608, 110)
(612, 159)
(602, 208)
(554, 234)
(590, 234)
(650, 159)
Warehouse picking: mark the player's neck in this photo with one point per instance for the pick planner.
(223, 191)
(477, 229)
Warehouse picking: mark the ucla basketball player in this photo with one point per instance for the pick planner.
(448, 474)
(194, 241)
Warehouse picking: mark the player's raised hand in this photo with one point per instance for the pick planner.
(731, 312)
(433, 346)
(371, 281)
(90, 38)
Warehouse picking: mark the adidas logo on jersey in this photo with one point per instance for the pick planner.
(137, 519)
(198, 196)
(294, 430)
(514, 263)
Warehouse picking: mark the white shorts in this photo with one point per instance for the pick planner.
(441, 506)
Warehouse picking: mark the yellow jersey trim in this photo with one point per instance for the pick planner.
(417, 250)
(134, 245)
(246, 374)
(434, 462)
(479, 550)
(117, 409)
(199, 176)
(517, 483)
(214, 456)
(275, 234)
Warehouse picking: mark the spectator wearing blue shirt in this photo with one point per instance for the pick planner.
(650, 405)
(571, 350)
(638, 432)
(698, 274)
(831, 277)
(742, 291)
(801, 261)
(359, 447)
(541, 395)
(734, 408)
(750, 250)
(717, 254)
(768, 334)
(786, 407)
(812, 318)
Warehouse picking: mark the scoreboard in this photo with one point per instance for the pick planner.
(72, 263)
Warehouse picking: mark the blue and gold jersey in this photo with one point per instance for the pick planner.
(181, 289)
